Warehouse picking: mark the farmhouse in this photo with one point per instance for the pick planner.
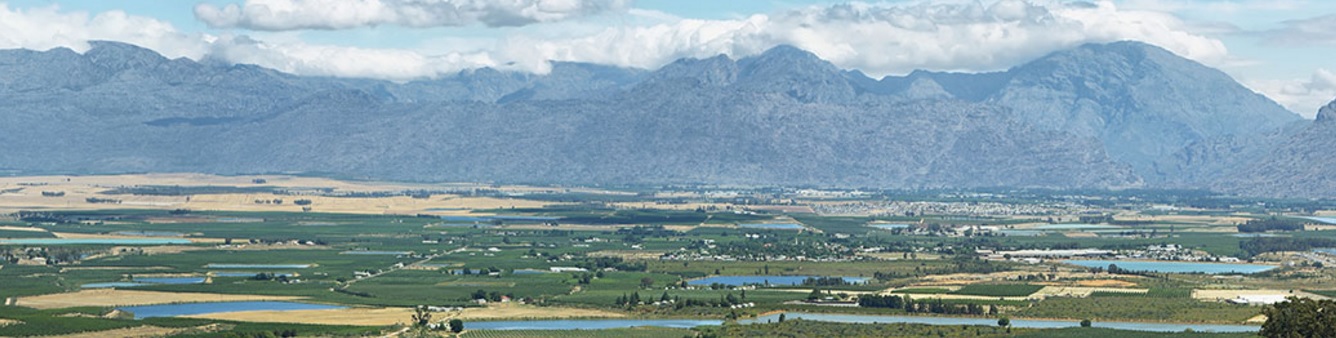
(1257, 299)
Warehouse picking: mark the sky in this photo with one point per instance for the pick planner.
(1280, 48)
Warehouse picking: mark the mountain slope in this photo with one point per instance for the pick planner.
(1099, 116)
(1144, 103)
(784, 117)
(1300, 166)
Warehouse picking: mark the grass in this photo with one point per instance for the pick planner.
(789, 268)
(36, 322)
(646, 332)
(77, 320)
(1092, 332)
(923, 291)
(1328, 293)
(804, 328)
(25, 234)
(846, 225)
(409, 287)
(1167, 301)
(607, 298)
(998, 290)
(1140, 308)
(21, 280)
(244, 329)
(603, 216)
(1155, 292)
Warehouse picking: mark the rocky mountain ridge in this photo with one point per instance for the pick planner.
(1109, 115)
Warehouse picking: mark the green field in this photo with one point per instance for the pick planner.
(627, 253)
(24, 234)
(801, 328)
(998, 290)
(923, 291)
(646, 332)
(77, 320)
(1141, 308)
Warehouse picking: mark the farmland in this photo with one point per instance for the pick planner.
(590, 254)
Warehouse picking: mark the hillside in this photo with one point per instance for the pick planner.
(1101, 116)
(1301, 165)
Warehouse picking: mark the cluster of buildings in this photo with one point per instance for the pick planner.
(1037, 256)
(1165, 252)
(910, 208)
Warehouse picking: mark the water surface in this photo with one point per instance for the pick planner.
(111, 285)
(170, 280)
(772, 226)
(889, 226)
(1328, 220)
(173, 310)
(257, 266)
(249, 274)
(765, 280)
(1175, 267)
(589, 324)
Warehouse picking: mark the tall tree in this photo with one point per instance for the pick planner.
(456, 325)
(1300, 317)
(421, 317)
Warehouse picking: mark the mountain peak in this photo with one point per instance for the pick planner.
(787, 61)
(1327, 113)
(715, 71)
(787, 51)
(1125, 47)
(118, 55)
(796, 73)
(792, 56)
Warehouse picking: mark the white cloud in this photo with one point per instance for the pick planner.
(878, 39)
(338, 61)
(1306, 32)
(44, 28)
(278, 15)
(882, 39)
(1302, 96)
(1216, 7)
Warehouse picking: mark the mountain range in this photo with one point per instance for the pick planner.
(1124, 114)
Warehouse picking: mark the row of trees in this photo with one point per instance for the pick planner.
(493, 296)
(931, 306)
(1271, 224)
(825, 281)
(1262, 245)
(634, 299)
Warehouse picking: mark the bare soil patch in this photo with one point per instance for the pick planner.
(28, 229)
(78, 188)
(629, 254)
(139, 331)
(1221, 295)
(1107, 283)
(113, 298)
(394, 316)
(1080, 291)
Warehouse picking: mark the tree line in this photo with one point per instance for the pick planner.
(929, 306)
